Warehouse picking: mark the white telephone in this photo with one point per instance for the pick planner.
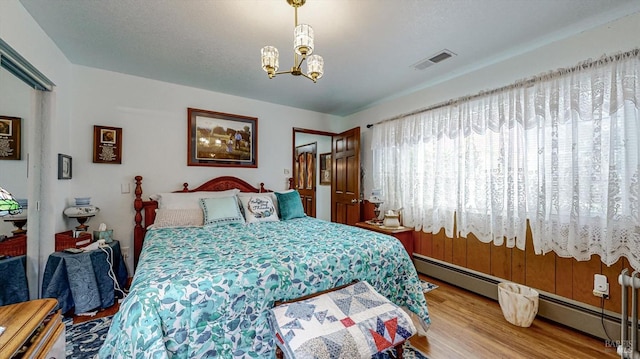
(95, 245)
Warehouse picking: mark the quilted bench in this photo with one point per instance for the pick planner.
(352, 321)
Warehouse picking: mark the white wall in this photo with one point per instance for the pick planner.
(617, 36)
(153, 116)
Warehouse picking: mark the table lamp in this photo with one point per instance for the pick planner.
(19, 220)
(8, 205)
(82, 211)
(376, 201)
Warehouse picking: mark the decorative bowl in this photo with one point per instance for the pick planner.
(81, 211)
(83, 201)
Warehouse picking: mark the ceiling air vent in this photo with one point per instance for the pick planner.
(439, 57)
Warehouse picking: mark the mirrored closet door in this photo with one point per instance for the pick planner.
(16, 118)
(322, 141)
(16, 121)
(22, 100)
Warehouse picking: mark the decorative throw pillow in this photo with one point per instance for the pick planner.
(271, 195)
(258, 207)
(290, 205)
(179, 218)
(188, 200)
(221, 211)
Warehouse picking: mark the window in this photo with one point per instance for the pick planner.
(559, 150)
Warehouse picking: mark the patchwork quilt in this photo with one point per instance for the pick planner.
(353, 322)
(207, 291)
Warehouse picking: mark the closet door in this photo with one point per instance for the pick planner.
(345, 199)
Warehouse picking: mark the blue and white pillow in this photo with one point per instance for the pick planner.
(221, 211)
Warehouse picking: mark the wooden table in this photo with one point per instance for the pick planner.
(403, 234)
(24, 333)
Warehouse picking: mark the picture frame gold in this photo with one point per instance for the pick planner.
(221, 139)
(10, 139)
(107, 144)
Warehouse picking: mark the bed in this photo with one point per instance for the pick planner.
(204, 291)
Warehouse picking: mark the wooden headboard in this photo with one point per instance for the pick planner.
(146, 210)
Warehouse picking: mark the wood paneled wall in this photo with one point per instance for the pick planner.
(565, 277)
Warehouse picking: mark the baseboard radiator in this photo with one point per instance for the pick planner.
(628, 346)
(582, 317)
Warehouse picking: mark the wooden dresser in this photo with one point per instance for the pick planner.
(32, 330)
(403, 234)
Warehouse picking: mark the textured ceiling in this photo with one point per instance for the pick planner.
(369, 46)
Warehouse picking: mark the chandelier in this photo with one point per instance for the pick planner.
(302, 46)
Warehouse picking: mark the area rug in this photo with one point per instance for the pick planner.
(427, 287)
(409, 352)
(85, 339)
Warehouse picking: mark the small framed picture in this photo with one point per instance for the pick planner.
(107, 144)
(325, 168)
(64, 166)
(9, 138)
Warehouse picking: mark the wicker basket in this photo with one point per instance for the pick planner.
(65, 240)
(14, 246)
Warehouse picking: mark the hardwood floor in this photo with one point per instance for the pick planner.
(102, 313)
(467, 325)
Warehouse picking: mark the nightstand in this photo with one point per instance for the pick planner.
(33, 330)
(403, 234)
(81, 281)
(13, 280)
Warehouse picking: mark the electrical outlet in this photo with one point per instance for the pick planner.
(600, 286)
(600, 294)
(125, 252)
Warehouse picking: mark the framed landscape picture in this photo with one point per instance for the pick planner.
(221, 139)
(9, 138)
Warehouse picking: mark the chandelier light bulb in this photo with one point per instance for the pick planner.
(315, 67)
(270, 60)
(303, 39)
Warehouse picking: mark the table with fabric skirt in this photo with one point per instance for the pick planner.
(14, 287)
(82, 281)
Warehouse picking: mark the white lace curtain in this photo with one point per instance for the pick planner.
(560, 150)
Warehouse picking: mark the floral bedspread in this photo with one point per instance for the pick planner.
(206, 291)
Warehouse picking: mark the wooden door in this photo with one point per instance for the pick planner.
(345, 195)
(305, 176)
